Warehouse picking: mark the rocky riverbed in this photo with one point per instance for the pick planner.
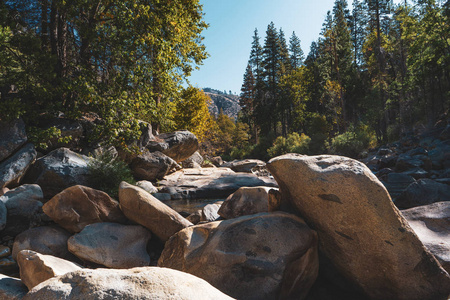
(323, 227)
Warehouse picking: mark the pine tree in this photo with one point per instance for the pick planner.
(267, 108)
(247, 100)
(358, 24)
(256, 55)
(296, 51)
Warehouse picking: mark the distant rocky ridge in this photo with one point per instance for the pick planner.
(229, 103)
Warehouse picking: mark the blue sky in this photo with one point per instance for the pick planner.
(232, 22)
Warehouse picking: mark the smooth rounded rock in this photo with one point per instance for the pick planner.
(263, 256)
(112, 245)
(431, 223)
(152, 165)
(50, 240)
(360, 230)
(24, 209)
(148, 283)
(59, 170)
(78, 206)
(423, 192)
(12, 137)
(13, 169)
(142, 208)
(36, 268)
(12, 288)
(249, 201)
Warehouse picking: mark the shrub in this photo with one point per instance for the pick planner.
(106, 173)
(354, 141)
(294, 143)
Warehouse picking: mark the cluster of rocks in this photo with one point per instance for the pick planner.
(331, 230)
(416, 169)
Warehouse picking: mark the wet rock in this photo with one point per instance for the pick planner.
(359, 227)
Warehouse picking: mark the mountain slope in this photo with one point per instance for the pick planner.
(227, 102)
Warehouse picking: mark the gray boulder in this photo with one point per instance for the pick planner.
(423, 192)
(194, 161)
(209, 213)
(178, 145)
(59, 170)
(112, 245)
(147, 186)
(24, 209)
(152, 165)
(147, 283)
(12, 137)
(431, 223)
(13, 169)
(12, 288)
(245, 166)
(50, 240)
(210, 183)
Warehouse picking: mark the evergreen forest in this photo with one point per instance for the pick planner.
(377, 71)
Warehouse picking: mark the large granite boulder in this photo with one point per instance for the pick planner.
(152, 165)
(194, 161)
(112, 245)
(210, 212)
(13, 169)
(59, 170)
(210, 183)
(360, 230)
(36, 268)
(50, 240)
(78, 206)
(142, 208)
(12, 137)
(178, 145)
(263, 256)
(423, 192)
(24, 209)
(12, 288)
(245, 166)
(431, 223)
(249, 201)
(146, 283)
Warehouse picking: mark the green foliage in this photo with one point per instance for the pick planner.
(354, 141)
(191, 113)
(294, 143)
(123, 60)
(106, 173)
(43, 138)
